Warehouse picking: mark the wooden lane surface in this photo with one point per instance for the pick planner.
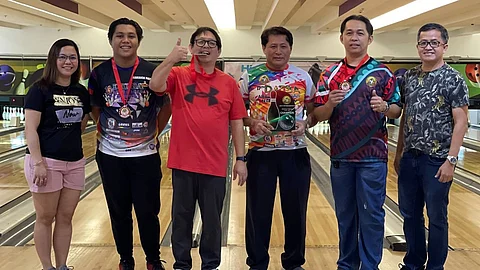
(12, 141)
(464, 207)
(233, 258)
(12, 177)
(91, 222)
(473, 134)
(467, 158)
(321, 220)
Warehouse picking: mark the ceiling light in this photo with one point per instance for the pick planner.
(48, 12)
(222, 12)
(407, 11)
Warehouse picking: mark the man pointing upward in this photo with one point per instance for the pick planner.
(205, 101)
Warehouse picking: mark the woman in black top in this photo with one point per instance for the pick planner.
(56, 112)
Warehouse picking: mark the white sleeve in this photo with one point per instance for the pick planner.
(243, 85)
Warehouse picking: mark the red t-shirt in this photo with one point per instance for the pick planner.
(201, 113)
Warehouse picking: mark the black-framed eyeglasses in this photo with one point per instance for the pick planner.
(433, 43)
(210, 43)
(63, 58)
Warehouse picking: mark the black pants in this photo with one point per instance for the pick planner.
(188, 187)
(292, 167)
(127, 181)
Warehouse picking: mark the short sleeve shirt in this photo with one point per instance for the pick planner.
(357, 133)
(202, 108)
(134, 134)
(429, 98)
(263, 89)
(63, 109)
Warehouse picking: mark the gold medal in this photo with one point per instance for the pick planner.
(124, 111)
(371, 81)
(345, 86)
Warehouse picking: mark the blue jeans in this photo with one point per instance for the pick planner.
(417, 185)
(359, 190)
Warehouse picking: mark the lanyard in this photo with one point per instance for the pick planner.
(119, 82)
(202, 71)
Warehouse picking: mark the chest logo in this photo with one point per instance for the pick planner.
(192, 93)
(264, 79)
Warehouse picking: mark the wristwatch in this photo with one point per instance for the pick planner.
(452, 159)
(387, 107)
(242, 158)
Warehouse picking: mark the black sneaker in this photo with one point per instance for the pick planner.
(156, 265)
(404, 267)
(126, 265)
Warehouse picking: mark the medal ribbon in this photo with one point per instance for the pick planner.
(202, 71)
(119, 82)
(351, 74)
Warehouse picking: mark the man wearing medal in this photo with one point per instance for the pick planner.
(205, 101)
(126, 112)
(356, 95)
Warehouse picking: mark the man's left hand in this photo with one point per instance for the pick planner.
(377, 103)
(445, 173)
(240, 170)
(299, 128)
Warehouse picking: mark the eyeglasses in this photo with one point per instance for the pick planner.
(433, 43)
(63, 58)
(202, 42)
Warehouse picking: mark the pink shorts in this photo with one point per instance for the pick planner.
(60, 174)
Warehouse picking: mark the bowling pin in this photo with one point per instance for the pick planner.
(22, 115)
(273, 112)
(4, 114)
(21, 87)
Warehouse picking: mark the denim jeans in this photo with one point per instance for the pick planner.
(359, 190)
(417, 185)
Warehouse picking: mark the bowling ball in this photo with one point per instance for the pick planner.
(473, 72)
(7, 77)
(287, 122)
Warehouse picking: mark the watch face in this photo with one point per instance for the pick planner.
(452, 160)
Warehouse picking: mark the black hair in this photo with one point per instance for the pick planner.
(50, 72)
(202, 30)
(361, 18)
(114, 24)
(434, 26)
(276, 31)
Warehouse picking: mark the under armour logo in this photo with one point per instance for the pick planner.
(212, 100)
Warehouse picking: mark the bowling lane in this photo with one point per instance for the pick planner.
(473, 134)
(464, 207)
(12, 178)
(91, 223)
(12, 141)
(321, 221)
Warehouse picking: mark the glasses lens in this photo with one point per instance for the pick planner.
(212, 44)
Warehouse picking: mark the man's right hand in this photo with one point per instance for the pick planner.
(179, 52)
(335, 97)
(261, 127)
